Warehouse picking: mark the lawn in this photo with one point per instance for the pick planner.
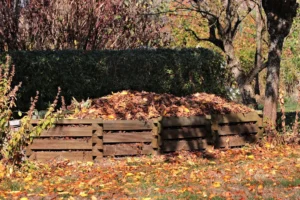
(247, 173)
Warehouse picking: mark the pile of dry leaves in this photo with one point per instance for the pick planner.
(131, 105)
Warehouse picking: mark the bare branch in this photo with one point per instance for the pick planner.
(212, 40)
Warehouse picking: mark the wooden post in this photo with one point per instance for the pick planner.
(97, 139)
(260, 124)
(156, 141)
(213, 140)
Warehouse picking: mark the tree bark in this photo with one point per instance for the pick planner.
(243, 82)
(258, 53)
(280, 16)
(272, 83)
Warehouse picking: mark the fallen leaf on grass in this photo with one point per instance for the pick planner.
(217, 184)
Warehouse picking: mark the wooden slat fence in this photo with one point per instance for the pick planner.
(92, 139)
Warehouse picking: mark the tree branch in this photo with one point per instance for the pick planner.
(251, 75)
(214, 41)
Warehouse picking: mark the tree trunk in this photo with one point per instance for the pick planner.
(258, 53)
(280, 16)
(244, 85)
(273, 72)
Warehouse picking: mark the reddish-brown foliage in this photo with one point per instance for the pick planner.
(146, 105)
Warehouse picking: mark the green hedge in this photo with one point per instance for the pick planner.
(84, 74)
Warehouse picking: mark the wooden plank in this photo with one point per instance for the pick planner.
(55, 144)
(185, 132)
(239, 117)
(126, 125)
(187, 145)
(73, 156)
(185, 121)
(123, 150)
(60, 131)
(127, 137)
(237, 129)
(72, 121)
(234, 141)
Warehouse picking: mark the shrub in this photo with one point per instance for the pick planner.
(12, 142)
(92, 74)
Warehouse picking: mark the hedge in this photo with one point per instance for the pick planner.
(90, 74)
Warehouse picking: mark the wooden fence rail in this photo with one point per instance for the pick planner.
(92, 139)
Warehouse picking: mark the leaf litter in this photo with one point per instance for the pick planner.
(134, 105)
(247, 173)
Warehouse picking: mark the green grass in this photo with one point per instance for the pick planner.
(9, 184)
(288, 183)
(290, 105)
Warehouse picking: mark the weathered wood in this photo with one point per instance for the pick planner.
(96, 139)
(185, 132)
(237, 129)
(154, 143)
(123, 150)
(260, 122)
(72, 121)
(98, 145)
(185, 121)
(96, 152)
(127, 137)
(239, 117)
(188, 145)
(28, 151)
(115, 125)
(155, 131)
(60, 131)
(55, 144)
(74, 156)
(234, 141)
(98, 129)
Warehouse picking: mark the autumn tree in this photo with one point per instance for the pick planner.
(75, 24)
(224, 18)
(280, 15)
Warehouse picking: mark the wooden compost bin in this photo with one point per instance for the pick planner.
(87, 140)
(217, 131)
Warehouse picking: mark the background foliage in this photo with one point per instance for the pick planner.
(91, 74)
(75, 24)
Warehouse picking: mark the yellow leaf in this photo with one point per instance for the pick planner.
(59, 189)
(129, 174)
(251, 157)
(111, 117)
(217, 184)
(186, 110)
(62, 193)
(24, 198)
(124, 92)
(28, 178)
(83, 194)
(260, 187)
(268, 145)
(146, 198)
